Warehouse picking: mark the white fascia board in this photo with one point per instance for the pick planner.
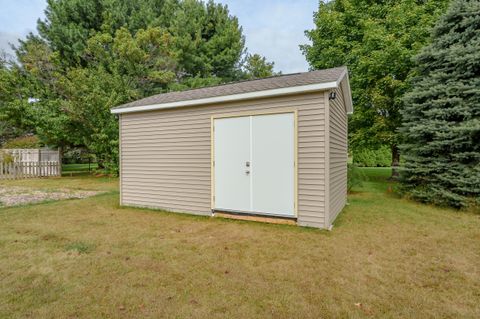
(344, 83)
(348, 96)
(230, 98)
(341, 77)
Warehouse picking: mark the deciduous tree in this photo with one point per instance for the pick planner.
(91, 55)
(376, 40)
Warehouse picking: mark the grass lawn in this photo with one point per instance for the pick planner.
(386, 257)
(78, 169)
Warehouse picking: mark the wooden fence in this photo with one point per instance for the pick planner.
(32, 155)
(19, 170)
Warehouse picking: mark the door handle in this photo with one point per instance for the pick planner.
(247, 172)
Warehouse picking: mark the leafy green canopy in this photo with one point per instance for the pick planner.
(376, 40)
(441, 126)
(91, 55)
(13, 122)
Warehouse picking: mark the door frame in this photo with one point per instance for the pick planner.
(214, 117)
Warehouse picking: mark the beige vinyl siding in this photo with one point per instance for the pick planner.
(166, 155)
(338, 156)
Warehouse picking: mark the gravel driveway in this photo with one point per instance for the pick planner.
(12, 196)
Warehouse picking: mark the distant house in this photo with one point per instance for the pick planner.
(273, 147)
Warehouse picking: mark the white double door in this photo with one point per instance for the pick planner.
(254, 164)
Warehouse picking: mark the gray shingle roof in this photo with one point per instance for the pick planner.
(274, 82)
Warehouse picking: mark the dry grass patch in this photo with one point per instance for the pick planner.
(16, 195)
(386, 257)
(33, 191)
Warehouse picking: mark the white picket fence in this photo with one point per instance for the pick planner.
(32, 155)
(19, 170)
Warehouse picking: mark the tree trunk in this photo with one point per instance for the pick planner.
(395, 162)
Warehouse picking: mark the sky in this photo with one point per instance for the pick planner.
(272, 28)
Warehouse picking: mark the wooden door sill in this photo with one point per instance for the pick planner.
(255, 218)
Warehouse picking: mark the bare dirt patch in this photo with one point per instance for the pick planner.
(16, 195)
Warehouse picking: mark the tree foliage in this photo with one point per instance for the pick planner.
(376, 40)
(91, 55)
(206, 39)
(372, 157)
(13, 87)
(441, 126)
(30, 141)
(257, 67)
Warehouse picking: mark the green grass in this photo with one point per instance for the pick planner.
(385, 258)
(105, 184)
(79, 247)
(378, 173)
(79, 167)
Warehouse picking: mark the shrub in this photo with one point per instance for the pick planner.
(355, 177)
(370, 157)
(5, 157)
(31, 141)
(77, 156)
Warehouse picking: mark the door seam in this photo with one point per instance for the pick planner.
(251, 168)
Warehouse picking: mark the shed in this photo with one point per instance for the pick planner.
(273, 147)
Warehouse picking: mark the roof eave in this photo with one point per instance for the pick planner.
(234, 97)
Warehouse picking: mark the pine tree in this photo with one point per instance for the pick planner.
(257, 67)
(441, 127)
(207, 39)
